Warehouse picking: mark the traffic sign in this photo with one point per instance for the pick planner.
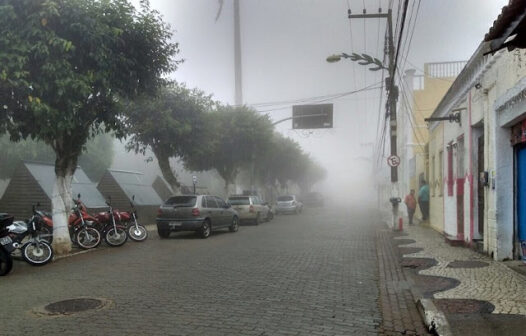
(393, 161)
(194, 179)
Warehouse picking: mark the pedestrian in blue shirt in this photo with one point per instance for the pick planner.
(423, 200)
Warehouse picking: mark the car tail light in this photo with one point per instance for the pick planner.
(251, 208)
(195, 212)
(159, 212)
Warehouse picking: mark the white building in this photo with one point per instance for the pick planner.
(484, 168)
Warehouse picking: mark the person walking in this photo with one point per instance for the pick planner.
(410, 202)
(423, 200)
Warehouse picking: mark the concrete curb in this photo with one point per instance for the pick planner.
(434, 319)
(78, 253)
(151, 227)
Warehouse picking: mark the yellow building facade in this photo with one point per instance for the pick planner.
(429, 89)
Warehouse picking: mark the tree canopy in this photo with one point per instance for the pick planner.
(67, 69)
(236, 136)
(172, 124)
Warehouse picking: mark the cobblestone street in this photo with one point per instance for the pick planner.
(311, 274)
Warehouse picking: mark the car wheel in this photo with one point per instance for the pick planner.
(163, 232)
(206, 229)
(235, 224)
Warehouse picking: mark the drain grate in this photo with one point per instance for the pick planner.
(71, 306)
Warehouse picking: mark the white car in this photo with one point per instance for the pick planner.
(288, 204)
(250, 208)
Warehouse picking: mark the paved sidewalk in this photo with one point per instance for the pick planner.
(399, 312)
(478, 295)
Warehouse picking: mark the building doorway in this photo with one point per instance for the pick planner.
(481, 184)
(459, 151)
(521, 193)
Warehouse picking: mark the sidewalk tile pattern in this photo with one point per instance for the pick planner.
(496, 283)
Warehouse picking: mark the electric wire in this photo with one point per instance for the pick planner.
(368, 88)
(410, 116)
(407, 44)
(382, 121)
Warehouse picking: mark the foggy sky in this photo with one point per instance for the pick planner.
(284, 46)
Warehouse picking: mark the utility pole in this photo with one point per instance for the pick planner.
(392, 98)
(238, 74)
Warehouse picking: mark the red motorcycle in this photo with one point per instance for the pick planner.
(135, 231)
(81, 226)
(110, 226)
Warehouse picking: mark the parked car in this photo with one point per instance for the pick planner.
(313, 199)
(200, 213)
(251, 208)
(288, 204)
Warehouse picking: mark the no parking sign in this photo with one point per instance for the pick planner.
(393, 161)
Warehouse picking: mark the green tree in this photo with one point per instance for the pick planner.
(310, 174)
(66, 69)
(171, 125)
(96, 158)
(280, 162)
(235, 137)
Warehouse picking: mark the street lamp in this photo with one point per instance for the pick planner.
(362, 59)
(334, 58)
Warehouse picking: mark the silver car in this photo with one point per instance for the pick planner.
(288, 204)
(200, 213)
(251, 208)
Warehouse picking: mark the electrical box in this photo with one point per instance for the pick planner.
(484, 178)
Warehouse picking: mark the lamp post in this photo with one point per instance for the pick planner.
(392, 97)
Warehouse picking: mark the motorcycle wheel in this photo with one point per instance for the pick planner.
(88, 238)
(115, 239)
(37, 253)
(46, 234)
(138, 233)
(6, 263)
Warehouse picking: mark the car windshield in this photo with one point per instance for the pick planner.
(239, 201)
(285, 198)
(181, 201)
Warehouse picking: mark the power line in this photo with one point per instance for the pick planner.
(407, 45)
(418, 135)
(404, 13)
(285, 102)
(318, 100)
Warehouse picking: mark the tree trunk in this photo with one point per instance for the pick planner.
(227, 183)
(61, 202)
(166, 170)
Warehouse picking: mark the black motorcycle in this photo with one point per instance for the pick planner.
(6, 244)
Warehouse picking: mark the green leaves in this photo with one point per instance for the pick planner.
(67, 66)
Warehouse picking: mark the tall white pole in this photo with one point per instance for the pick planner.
(237, 56)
